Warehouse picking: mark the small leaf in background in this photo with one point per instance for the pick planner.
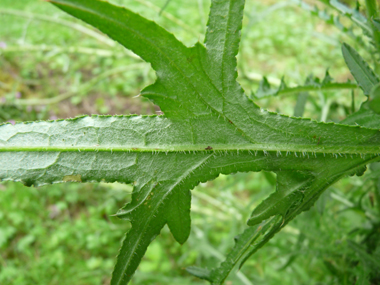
(376, 24)
(322, 201)
(368, 260)
(300, 104)
(374, 99)
(361, 71)
(265, 89)
(201, 273)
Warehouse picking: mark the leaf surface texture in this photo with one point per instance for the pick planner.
(210, 127)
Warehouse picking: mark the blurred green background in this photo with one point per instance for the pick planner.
(53, 66)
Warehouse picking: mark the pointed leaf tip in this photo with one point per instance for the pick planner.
(328, 78)
(361, 71)
(177, 214)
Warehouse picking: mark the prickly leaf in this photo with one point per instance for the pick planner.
(210, 127)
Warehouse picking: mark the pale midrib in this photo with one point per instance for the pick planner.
(280, 149)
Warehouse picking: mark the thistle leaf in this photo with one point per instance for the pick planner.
(210, 127)
(361, 71)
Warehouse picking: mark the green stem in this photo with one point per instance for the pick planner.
(164, 7)
(332, 86)
(293, 88)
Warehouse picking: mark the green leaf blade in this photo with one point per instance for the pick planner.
(145, 38)
(174, 63)
(177, 215)
(361, 71)
(184, 83)
(277, 213)
(168, 168)
(134, 247)
(290, 192)
(211, 127)
(222, 41)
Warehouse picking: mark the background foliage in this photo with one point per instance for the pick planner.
(60, 234)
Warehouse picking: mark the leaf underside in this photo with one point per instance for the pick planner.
(210, 127)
